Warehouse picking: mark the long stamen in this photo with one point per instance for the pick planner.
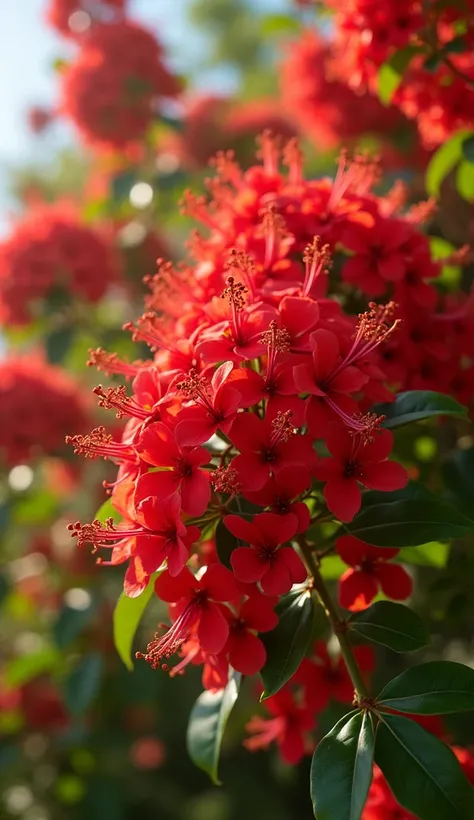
(110, 364)
(116, 398)
(100, 443)
(196, 388)
(235, 294)
(278, 340)
(282, 428)
(293, 159)
(317, 259)
(274, 231)
(358, 174)
(269, 152)
(164, 646)
(99, 534)
(374, 327)
(244, 265)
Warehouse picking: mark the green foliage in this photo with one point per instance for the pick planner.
(407, 519)
(82, 684)
(23, 669)
(436, 688)
(70, 623)
(433, 554)
(415, 405)
(226, 543)
(444, 160)
(392, 625)
(341, 771)
(391, 73)
(422, 772)
(127, 616)
(465, 180)
(207, 724)
(458, 473)
(287, 644)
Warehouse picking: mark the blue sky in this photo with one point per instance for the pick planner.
(28, 49)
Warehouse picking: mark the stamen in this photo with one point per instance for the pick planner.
(243, 264)
(235, 293)
(282, 428)
(99, 534)
(357, 175)
(317, 259)
(226, 167)
(278, 340)
(110, 364)
(293, 159)
(274, 231)
(164, 646)
(226, 480)
(100, 443)
(116, 398)
(269, 151)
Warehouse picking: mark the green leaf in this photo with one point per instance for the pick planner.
(418, 404)
(436, 688)
(107, 510)
(226, 543)
(421, 771)
(443, 161)
(433, 554)
(58, 343)
(26, 667)
(450, 274)
(392, 625)
(127, 616)
(122, 184)
(341, 771)
(71, 622)
(407, 519)
(287, 644)
(81, 687)
(391, 73)
(458, 473)
(207, 723)
(468, 148)
(465, 180)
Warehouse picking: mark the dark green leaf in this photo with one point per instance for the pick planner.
(226, 543)
(58, 343)
(458, 473)
(341, 771)
(207, 723)
(465, 180)
(4, 588)
(436, 688)
(443, 161)
(422, 772)
(287, 644)
(71, 622)
(122, 184)
(468, 148)
(418, 404)
(392, 625)
(127, 616)
(407, 519)
(456, 46)
(391, 73)
(432, 63)
(81, 687)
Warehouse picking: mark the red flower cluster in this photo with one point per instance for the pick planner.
(113, 88)
(320, 679)
(438, 89)
(73, 17)
(257, 372)
(326, 108)
(38, 403)
(49, 251)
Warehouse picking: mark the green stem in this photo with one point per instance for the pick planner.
(337, 623)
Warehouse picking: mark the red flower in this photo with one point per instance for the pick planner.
(371, 571)
(197, 609)
(327, 382)
(277, 568)
(288, 727)
(245, 650)
(215, 408)
(325, 677)
(280, 491)
(157, 446)
(268, 446)
(354, 462)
